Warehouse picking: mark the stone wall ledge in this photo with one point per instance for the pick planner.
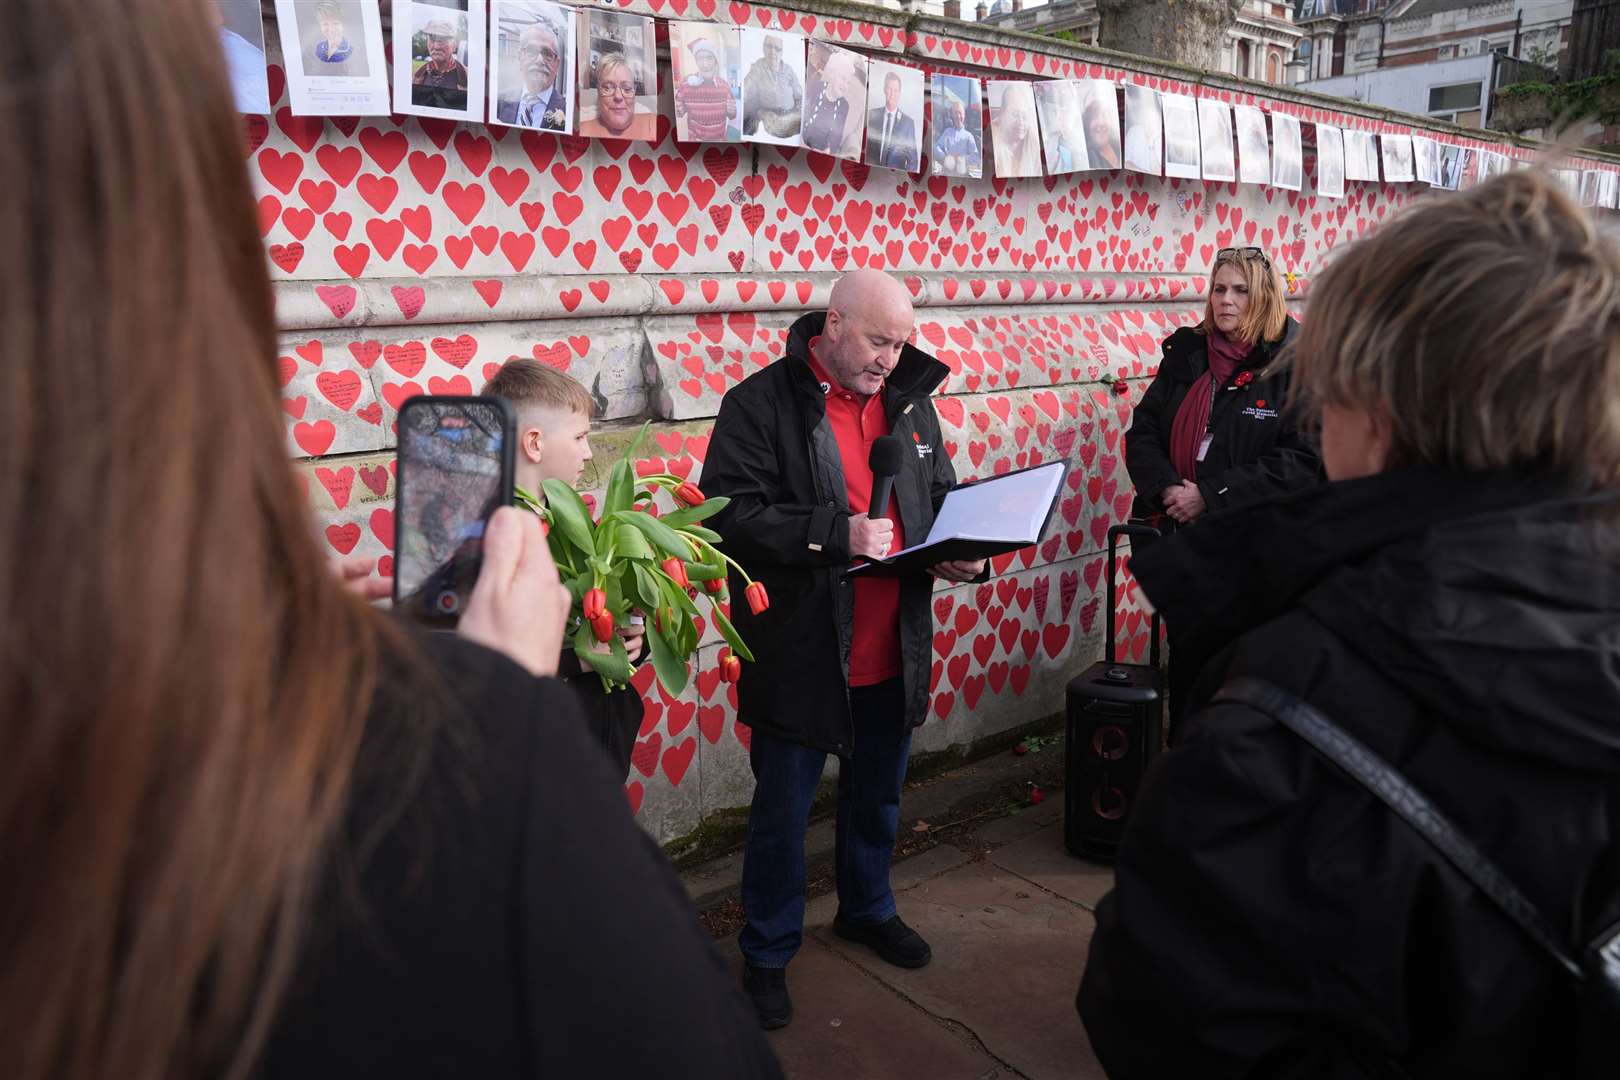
(338, 304)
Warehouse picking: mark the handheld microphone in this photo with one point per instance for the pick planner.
(887, 455)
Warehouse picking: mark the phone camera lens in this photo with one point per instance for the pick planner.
(449, 602)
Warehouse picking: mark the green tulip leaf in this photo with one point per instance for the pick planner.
(662, 536)
(621, 487)
(570, 514)
(614, 665)
(691, 515)
(729, 632)
(671, 670)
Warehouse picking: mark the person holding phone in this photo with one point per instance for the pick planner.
(554, 443)
(253, 826)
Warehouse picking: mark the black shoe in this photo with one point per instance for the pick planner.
(896, 942)
(767, 989)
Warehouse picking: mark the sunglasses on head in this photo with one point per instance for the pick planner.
(1243, 253)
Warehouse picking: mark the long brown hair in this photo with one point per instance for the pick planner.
(1268, 306)
(183, 686)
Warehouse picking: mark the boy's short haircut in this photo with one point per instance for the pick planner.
(525, 382)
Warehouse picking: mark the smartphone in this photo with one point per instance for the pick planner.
(454, 468)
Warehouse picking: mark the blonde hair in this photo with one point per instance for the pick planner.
(529, 383)
(1267, 313)
(1484, 328)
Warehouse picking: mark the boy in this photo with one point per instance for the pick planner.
(553, 442)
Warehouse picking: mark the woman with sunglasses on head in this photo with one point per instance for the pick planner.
(1211, 433)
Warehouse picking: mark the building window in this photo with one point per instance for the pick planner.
(1453, 98)
(1242, 59)
(1445, 52)
(1273, 70)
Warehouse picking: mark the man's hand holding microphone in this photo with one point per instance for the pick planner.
(874, 537)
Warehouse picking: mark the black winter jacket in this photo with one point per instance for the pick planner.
(489, 909)
(774, 455)
(1257, 451)
(1270, 916)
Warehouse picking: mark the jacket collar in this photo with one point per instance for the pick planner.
(917, 375)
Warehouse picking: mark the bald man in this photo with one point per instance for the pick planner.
(842, 664)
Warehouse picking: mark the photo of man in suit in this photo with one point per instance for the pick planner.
(539, 97)
(891, 129)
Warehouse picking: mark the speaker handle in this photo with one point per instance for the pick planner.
(1114, 533)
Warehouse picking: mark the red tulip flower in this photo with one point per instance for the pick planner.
(714, 586)
(757, 600)
(730, 667)
(593, 605)
(689, 495)
(602, 627)
(676, 571)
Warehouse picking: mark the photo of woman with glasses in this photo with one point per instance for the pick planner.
(1211, 433)
(618, 91)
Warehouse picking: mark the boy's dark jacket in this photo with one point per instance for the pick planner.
(613, 716)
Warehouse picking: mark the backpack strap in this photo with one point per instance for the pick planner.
(1411, 805)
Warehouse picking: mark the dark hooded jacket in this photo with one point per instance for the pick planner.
(1257, 450)
(1270, 916)
(774, 455)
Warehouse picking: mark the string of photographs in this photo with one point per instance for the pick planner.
(551, 67)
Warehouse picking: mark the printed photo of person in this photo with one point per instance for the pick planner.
(532, 65)
(1329, 162)
(1015, 133)
(1609, 190)
(1099, 117)
(1254, 152)
(445, 43)
(333, 44)
(773, 86)
(1144, 131)
(1369, 151)
(241, 35)
(1450, 166)
(894, 110)
(1426, 160)
(1181, 156)
(1287, 152)
(1062, 138)
(1468, 171)
(618, 76)
(1215, 139)
(1398, 163)
(333, 52)
(956, 126)
(1591, 183)
(834, 101)
(704, 62)
(1357, 150)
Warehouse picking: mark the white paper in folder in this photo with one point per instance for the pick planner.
(980, 519)
(1008, 509)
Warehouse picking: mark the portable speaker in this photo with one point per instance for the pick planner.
(1115, 721)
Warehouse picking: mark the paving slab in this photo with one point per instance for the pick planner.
(1007, 962)
(1042, 858)
(1010, 827)
(848, 1026)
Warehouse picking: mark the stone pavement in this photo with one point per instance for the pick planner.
(1009, 917)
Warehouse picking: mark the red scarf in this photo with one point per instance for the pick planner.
(1192, 419)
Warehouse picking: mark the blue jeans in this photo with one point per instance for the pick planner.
(785, 779)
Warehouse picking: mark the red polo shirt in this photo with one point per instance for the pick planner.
(874, 654)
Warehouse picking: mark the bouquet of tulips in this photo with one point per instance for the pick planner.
(630, 560)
